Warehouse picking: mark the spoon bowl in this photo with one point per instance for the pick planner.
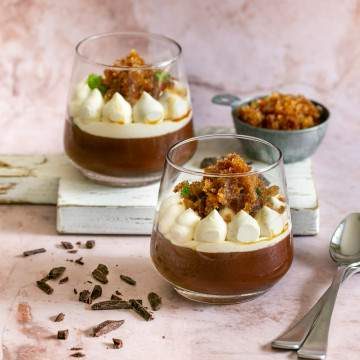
(345, 243)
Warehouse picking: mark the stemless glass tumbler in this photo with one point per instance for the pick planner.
(129, 101)
(222, 231)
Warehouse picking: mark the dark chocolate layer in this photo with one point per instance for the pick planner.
(123, 157)
(221, 273)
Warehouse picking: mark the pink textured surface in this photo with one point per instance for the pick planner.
(244, 47)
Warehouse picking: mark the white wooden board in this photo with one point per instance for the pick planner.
(84, 207)
(87, 208)
(32, 179)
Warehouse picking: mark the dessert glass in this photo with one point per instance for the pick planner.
(222, 230)
(129, 101)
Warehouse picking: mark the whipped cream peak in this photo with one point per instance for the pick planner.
(182, 230)
(148, 110)
(277, 203)
(117, 110)
(243, 228)
(171, 200)
(211, 229)
(168, 217)
(81, 92)
(179, 89)
(91, 108)
(270, 221)
(188, 218)
(175, 106)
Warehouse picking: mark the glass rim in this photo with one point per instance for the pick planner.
(143, 34)
(223, 136)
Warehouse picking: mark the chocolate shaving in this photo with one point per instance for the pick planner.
(78, 355)
(79, 261)
(63, 280)
(106, 327)
(115, 297)
(67, 245)
(103, 268)
(59, 317)
(128, 279)
(78, 243)
(90, 244)
(75, 291)
(75, 348)
(117, 292)
(111, 305)
(63, 334)
(74, 251)
(154, 300)
(85, 297)
(55, 273)
(34, 252)
(118, 344)
(141, 310)
(100, 273)
(46, 288)
(96, 292)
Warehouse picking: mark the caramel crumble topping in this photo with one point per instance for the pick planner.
(248, 193)
(131, 83)
(281, 112)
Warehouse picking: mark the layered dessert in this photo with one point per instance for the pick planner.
(223, 235)
(121, 123)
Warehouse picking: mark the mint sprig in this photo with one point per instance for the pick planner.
(185, 191)
(95, 82)
(162, 76)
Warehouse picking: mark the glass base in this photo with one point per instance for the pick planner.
(118, 181)
(218, 299)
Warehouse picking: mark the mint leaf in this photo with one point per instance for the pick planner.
(95, 82)
(185, 191)
(162, 76)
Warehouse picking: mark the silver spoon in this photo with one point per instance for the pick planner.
(345, 251)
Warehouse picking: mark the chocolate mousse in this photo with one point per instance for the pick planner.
(225, 235)
(123, 156)
(122, 123)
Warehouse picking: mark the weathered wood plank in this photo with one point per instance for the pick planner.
(32, 179)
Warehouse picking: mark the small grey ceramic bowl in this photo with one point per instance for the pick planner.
(295, 145)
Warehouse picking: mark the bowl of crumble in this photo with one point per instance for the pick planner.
(293, 123)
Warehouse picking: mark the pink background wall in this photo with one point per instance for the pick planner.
(244, 47)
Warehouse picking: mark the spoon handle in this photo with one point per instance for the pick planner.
(293, 338)
(315, 345)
